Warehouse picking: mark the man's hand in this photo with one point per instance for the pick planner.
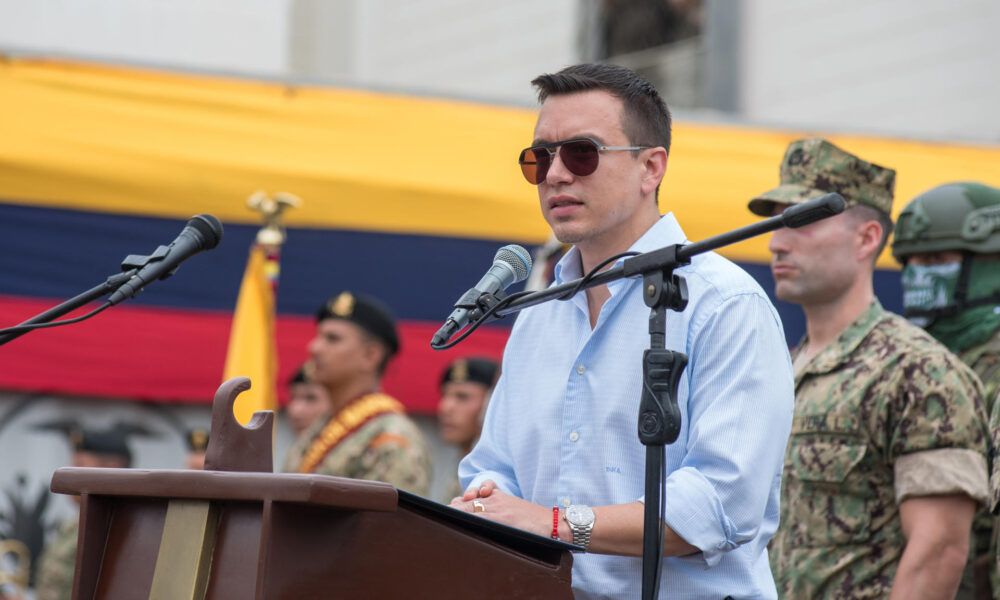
(483, 491)
(504, 508)
(617, 529)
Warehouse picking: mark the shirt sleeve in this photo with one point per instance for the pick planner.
(489, 458)
(740, 404)
(939, 442)
(396, 453)
(939, 472)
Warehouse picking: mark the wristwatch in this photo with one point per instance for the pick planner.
(581, 522)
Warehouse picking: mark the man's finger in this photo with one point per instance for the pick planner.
(486, 488)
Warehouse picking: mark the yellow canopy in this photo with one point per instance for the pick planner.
(143, 142)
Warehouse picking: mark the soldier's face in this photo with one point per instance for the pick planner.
(306, 402)
(342, 352)
(459, 411)
(944, 257)
(815, 264)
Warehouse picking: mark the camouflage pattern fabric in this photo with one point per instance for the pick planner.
(984, 360)
(814, 167)
(388, 448)
(884, 393)
(994, 504)
(57, 563)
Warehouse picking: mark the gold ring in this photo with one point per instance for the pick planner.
(478, 506)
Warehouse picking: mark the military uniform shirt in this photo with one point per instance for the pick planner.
(984, 360)
(388, 448)
(883, 414)
(57, 563)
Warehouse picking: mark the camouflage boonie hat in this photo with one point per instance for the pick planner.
(814, 167)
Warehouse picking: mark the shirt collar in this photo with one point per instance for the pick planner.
(841, 350)
(664, 232)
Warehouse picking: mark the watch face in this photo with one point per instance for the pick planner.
(580, 515)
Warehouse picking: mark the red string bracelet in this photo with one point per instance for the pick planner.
(555, 522)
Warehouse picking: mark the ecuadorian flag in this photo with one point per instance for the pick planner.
(404, 198)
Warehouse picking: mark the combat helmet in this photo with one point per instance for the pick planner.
(963, 216)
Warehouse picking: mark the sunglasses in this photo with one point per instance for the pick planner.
(579, 155)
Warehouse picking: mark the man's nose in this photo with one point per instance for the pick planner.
(558, 173)
(779, 242)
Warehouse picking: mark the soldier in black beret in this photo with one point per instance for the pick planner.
(367, 434)
(307, 400)
(465, 388)
(466, 385)
(92, 447)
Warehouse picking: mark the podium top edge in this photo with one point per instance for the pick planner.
(323, 490)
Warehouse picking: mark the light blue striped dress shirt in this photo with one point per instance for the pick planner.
(562, 423)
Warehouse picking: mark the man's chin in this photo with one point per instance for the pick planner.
(787, 293)
(568, 234)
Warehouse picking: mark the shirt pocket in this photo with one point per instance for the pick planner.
(828, 497)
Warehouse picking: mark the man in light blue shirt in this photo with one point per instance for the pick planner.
(561, 430)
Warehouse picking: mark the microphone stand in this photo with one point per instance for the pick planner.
(111, 284)
(659, 421)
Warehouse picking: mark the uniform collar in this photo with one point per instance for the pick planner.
(844, 347)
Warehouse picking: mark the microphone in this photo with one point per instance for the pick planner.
(511, 264)
(813, 210)
(202, 232)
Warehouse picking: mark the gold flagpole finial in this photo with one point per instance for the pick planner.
(271, 209)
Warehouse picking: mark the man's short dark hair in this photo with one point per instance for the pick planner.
(646, 118)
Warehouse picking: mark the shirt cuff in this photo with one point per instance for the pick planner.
(942, 471)
(695, 512)
(497, 478)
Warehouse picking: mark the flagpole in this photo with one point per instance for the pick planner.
(252, 350)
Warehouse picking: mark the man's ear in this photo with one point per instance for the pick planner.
(372, 351)
(655, 163)
(869, 241)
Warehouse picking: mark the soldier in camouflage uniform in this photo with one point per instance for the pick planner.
(466, 385)
(948, 241)
(886, 461)
(57, 563)
(367, 435)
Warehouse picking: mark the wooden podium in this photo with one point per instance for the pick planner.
(239, 531)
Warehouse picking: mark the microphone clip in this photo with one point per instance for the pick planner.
(479, 303)
(138, 261)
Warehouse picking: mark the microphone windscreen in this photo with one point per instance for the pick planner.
(517, 258)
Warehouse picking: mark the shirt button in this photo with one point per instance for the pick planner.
(581, 369)
(574, 436)
(566, 502)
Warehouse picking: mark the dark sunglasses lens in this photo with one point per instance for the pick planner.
(534, 165)
(580, 157)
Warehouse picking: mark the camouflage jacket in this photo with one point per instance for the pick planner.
(984, 359)
(388, 447)
(57, 563)
(883, 414)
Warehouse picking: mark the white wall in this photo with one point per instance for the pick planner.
(477, 50)
(238, 36)
(925, 68)
(473, 49)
